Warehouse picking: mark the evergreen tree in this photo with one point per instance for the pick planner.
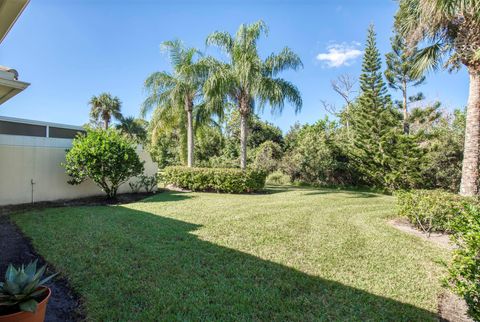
(382, 154)
(401, 73)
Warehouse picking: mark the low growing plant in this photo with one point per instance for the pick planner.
(214, 179)
(23, 288)
(464, 271)
(135, 186)
(278, 177)
(431, 210)
(148, 183)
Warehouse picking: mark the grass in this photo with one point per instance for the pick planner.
(299, 254)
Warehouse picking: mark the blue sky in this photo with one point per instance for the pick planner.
(70, 50)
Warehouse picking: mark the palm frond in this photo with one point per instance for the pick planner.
(220, 39)
(286, 59)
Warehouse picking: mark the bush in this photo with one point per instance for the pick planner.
(148, 183)
(214, 179)
(431, 210)
(278, 177)
(106, 157)
(267, 156)
(464, 271)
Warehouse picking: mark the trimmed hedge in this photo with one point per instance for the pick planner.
(214, 179)
(431, 210)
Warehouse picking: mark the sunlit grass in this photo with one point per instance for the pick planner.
(293, 254)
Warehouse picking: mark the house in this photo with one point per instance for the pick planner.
(10, 85)
(31, 152)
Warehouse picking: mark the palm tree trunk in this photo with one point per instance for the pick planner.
(468, 185)
(243, 140)
(189, 138)
(105, 123)
(406, 127)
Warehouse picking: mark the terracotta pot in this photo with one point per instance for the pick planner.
(38, 316)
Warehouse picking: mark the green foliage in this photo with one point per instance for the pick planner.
(382, 154)
(259, 131)
(464, 271)
(247, 80)
(148, 183)
(214, 179)
(431, 210)
(133, 128)
(23, 288)
(400, 65)
(315, 154)
(278, 178)
(267, 156)
(443, 142)
(175, 97)
(210, 143)
(104, 107)
(106, 157)
(167, 147)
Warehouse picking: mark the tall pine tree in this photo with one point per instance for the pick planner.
(382, 154)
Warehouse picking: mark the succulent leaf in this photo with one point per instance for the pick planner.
(23, 286)
(29, 306)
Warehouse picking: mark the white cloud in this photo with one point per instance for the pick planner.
(338, 55)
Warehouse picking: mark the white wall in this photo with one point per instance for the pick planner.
(26, 158)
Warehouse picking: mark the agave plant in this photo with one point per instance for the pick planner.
(23, 286)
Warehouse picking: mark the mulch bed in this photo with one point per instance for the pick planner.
(450, 306)
(65, 304)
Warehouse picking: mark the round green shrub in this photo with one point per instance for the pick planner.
(106, 157)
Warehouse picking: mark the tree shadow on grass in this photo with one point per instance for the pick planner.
(134, 265)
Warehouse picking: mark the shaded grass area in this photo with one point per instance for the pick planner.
(291, 254)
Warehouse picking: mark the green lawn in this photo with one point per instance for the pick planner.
(294, 254)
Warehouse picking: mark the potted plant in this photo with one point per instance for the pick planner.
(23, 294)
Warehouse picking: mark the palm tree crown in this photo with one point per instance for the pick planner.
(174, 94)
(104, 107)
(246, 79)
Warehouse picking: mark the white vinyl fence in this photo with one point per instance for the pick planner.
(31, 154)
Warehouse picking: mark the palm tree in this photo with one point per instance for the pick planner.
(177, 91)
(104, 107)
(452, 29)
(134, 128)
(246, 78)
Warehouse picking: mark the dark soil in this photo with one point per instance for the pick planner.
(88, 201)
(64, 304)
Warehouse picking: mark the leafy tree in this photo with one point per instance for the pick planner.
(259, 131)
(105, 107)
(314, 154)
(210, 144)
(451, 29)
(106, 157)
(167, 150)
(179, 92)
(442, 138)
(134, 128)
(247, 79)
(401, 74)
(267, 156)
